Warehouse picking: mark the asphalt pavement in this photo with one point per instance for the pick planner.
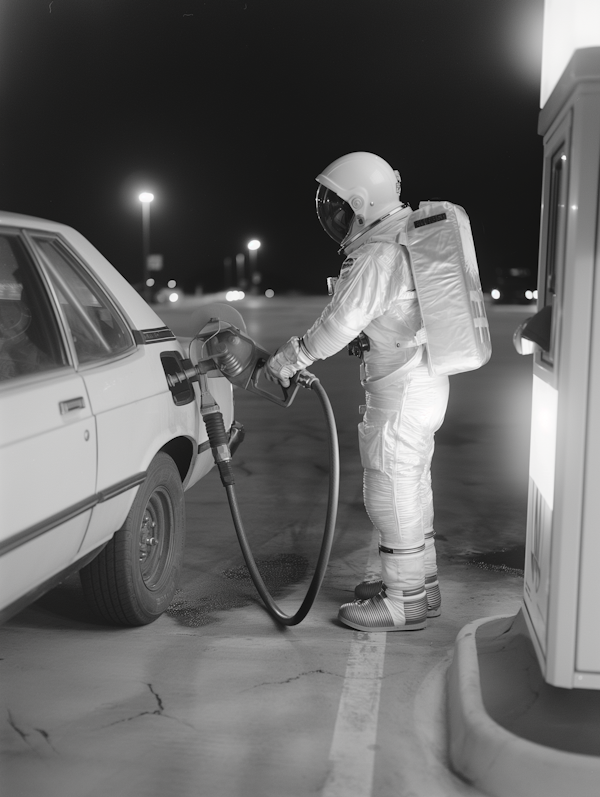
(217, 699)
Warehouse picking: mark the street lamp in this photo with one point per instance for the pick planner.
(145, 198)
(253, 247)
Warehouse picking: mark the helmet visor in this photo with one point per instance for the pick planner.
(334, 213)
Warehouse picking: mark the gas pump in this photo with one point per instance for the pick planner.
(533, 741)
(562, 556)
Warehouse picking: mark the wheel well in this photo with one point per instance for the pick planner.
(180, 449)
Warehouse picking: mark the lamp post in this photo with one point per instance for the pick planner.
(253, 247)
(145, 198)
(240, 263)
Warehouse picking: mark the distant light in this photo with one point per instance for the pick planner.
(569, 25)
(146, 196)
(254, 244)
(269, 293)
(171, 284)
(234, 296)
(529, 295)
(535, 294)
(495, 293)
(150, 282)
(563, 157)
(173, 297)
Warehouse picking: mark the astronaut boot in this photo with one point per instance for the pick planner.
(368, 589)
(434, 596)
(403, 605)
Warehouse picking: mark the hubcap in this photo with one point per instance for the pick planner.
(155, 539)
(147, 538)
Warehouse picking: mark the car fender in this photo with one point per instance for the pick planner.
(150, 425)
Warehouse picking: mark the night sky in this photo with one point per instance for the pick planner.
(227, 110)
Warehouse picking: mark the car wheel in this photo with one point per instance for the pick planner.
(133, 579)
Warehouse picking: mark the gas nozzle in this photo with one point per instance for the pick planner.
(231, 352)
(240, 359)
(226, 349)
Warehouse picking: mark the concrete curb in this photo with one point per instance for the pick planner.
(490, 757)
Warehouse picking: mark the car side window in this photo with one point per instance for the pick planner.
(30, 340)
(97, 329)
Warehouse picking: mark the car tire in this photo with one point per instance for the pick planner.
(133, 579)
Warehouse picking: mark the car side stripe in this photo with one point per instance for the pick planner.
(21, 537)
(46, 525)
(121, 487)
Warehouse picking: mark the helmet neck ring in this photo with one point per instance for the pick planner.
(346, 243)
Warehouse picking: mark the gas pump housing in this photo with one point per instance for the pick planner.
(562, 558)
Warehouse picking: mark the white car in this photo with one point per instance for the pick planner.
(95, 449)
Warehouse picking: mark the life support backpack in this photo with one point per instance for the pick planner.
(444, 267)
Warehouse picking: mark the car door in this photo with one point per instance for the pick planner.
(127, 395)
(47, 434)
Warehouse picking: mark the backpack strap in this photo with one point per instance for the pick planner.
(420, 339)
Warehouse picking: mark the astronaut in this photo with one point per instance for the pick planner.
(374, 309)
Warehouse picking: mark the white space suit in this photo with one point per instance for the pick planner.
(404, 404)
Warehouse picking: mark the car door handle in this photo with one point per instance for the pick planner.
(72, 404)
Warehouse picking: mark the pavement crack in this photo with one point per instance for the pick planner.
(158, 712)
(294, 678)
(135, 717)
(26, 736)
(152, 714)
(46, 736)
(161, 708)
(16, 728)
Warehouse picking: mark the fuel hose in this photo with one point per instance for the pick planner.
(310, 381)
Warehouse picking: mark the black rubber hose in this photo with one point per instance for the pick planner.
(217, 436)
(324, 553)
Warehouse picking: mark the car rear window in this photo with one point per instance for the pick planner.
(97, 329)
(30, 340)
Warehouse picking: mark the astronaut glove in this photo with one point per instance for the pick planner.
(287, 361)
